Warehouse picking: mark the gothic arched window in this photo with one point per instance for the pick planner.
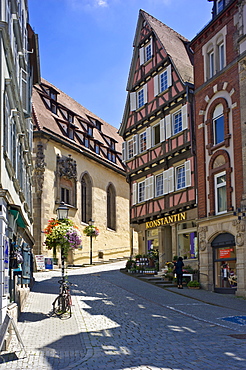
(111, 207)
(86, 198)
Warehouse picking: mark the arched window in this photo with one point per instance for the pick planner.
(86, 198)
(218, 124)
(111, 207)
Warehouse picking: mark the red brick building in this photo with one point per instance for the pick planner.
(218, 134)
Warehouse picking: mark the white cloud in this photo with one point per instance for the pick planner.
(87, 4)
(102, 3)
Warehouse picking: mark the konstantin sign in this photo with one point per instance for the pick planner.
(166, 220)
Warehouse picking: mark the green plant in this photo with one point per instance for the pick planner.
(138, 256)
(91, 230)
(129, 264)
(62, 233)
(194, 283)
(175, 258)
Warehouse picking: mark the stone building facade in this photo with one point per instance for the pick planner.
(19, 68)
(77, 160)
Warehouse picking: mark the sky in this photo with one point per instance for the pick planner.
(86, 46)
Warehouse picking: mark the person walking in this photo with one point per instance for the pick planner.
(179, 272)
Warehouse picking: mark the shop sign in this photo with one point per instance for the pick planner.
(225, 253)
(40, 262)
(166, 220)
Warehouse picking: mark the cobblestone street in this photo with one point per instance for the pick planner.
(120, 322)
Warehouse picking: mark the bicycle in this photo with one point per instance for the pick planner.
(62, 304)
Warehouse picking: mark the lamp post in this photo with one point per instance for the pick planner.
(91, 222)
(62, 213)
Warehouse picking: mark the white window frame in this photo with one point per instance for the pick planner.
(211, 63)
(216, 187)
(149, 187)
(218, 113)
(142, 138)
(134, 98)
(157, 177)
(220, 4)
(143, 53)
(141, 192)
(221, 54)
(157, 80)
(187, 175)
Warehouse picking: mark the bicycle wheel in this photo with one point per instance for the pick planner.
(58, 305)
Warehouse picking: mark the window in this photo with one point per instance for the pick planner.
(211, 64)
(177, 122)
(156, 134)
(220, 193)
(111, 156)
(65, 195)
(111, 207)
(163, 81)
(159, 185)
(142, 142)
(180, 178)
(86, 142)
(89, 130)
(141, 191)
(138, 99)
(53, 108)
(187, 240)
(86, 199)
(219, 6)
(221, 52)
(145, 53)
(130, 149)
(218, 124)
(97, 149)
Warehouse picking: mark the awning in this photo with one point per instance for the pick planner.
(17, 216)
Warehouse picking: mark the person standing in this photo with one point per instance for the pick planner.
(179, 272)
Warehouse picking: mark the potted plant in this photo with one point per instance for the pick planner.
(194, 284)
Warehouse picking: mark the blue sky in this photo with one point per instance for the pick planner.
(86, 45)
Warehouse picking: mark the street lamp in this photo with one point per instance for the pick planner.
(62, 213)
(91, 222)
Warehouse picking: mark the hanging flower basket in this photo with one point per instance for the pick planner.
(91, 230)
(64, 234)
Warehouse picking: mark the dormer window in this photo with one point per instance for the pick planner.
(89, 130)
(220, 4)
(53, 95)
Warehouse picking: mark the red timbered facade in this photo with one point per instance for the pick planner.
(158, 146)
(218, 57)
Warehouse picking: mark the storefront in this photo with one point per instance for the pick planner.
(224, 262)
(174, 235)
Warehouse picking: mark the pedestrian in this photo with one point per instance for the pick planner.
(179, 272)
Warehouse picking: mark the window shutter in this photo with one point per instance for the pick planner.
(168, 126)
(141, 55)
(135, 144)
(171, 179)
(156, 85)
(165, 182)
(162, 130)
(124, 151)
(24, 92)
(169, 75)
(184, 117)
(148, 137)
(149, 188)
(133, 101)
(187, 174)
(145, 94)
(134, 193)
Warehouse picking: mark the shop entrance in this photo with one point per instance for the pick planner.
(224, 257)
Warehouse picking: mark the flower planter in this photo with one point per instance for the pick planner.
(193, 287)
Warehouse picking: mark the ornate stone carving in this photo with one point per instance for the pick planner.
(39, 169)
(202, 237)
(66, 167)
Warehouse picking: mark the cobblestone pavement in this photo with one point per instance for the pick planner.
(122, 323)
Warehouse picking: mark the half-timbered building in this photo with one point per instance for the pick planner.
(218, 48)
(158, 148)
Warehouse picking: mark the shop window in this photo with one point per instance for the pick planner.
(111, 207)
(187, 241)
(152, 240)
(86, 198)
(220, 193)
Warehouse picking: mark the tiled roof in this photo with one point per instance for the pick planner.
(174, 44)
(55, 123)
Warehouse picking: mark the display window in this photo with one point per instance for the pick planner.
(187, 240)
(225, 267)
(152, 239)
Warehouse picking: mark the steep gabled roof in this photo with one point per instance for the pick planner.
(51, 123)
(173, 43)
